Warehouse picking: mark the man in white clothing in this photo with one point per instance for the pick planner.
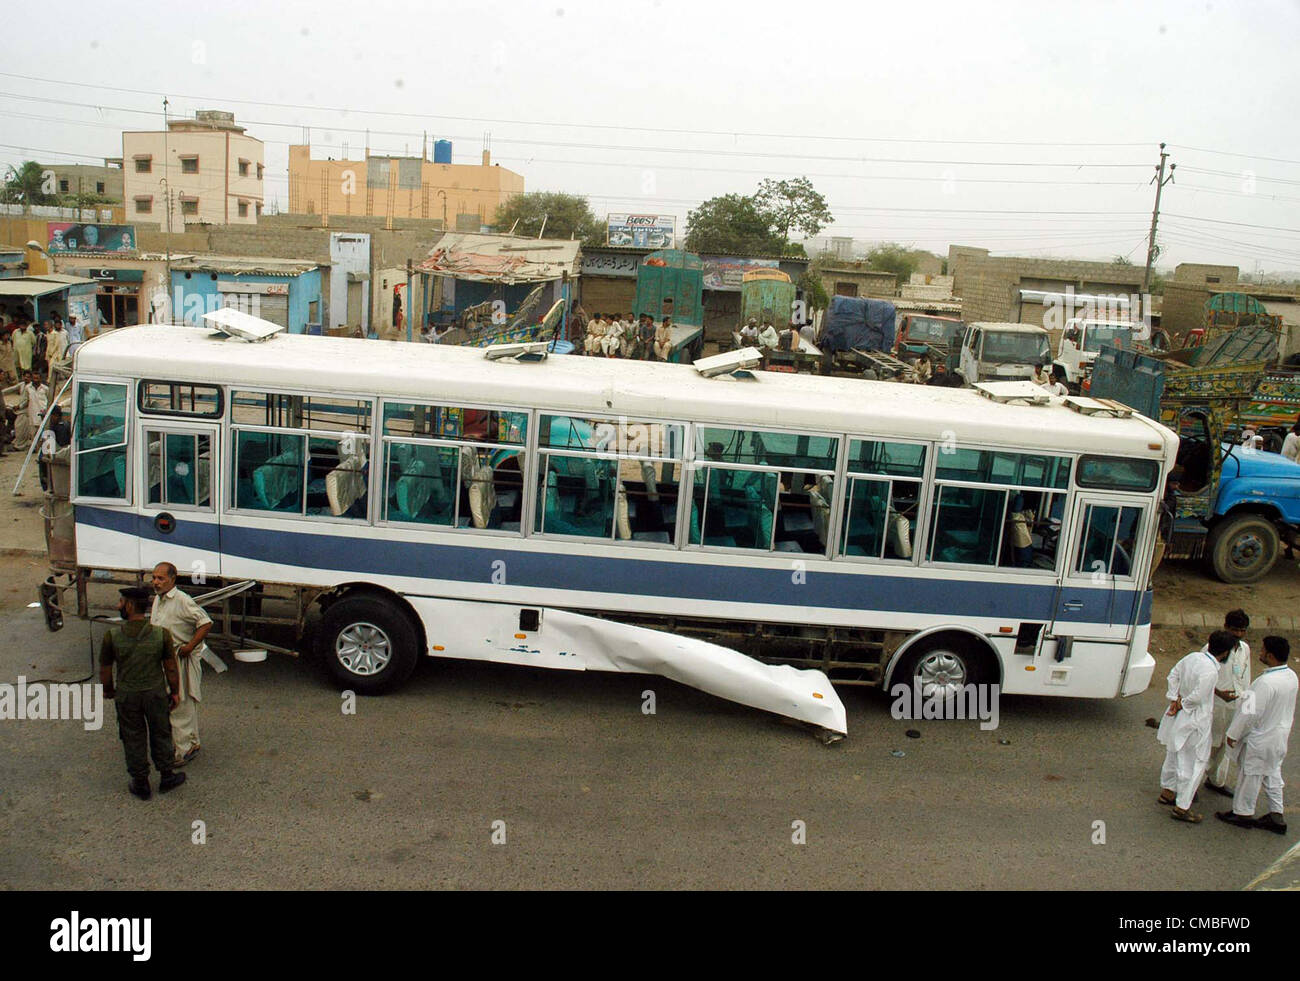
(1260, 733)
(1291, 445)
(56, 348)
(1234, 679)
(768, 338)
(188, 625)
(1185, 728)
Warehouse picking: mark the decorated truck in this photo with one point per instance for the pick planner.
(1232, 505)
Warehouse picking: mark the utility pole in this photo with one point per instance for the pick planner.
(1160, 180)
(167, 200)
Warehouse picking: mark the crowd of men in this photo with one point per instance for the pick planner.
(615, 335)
(1219, 721)
(31, 356)
(151, 665)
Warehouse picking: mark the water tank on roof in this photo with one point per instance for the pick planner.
(442, 151)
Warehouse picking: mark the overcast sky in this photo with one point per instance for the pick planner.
(1027, 128)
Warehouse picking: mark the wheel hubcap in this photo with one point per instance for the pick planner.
(1247, 550)
(942, 672)
(363, 648)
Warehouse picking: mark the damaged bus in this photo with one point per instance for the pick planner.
(758, 536)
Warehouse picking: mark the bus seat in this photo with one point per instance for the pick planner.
(821, 514)
(620, 515)
(651, 482)
(344, 485)
(899, 532)
(482, 496)
(277, 481)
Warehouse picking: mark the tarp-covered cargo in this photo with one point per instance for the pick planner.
(857, 322)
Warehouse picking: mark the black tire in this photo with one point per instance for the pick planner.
(958, 660)
(368, 644)
(1243, 549)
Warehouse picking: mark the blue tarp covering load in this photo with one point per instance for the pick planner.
(858, 322)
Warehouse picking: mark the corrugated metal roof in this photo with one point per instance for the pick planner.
(29, 287)
(501, 258)
(63, 278)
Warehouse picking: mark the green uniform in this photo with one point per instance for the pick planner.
(137, 649)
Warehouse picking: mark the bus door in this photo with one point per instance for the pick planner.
(180, 475)
(1100, 597)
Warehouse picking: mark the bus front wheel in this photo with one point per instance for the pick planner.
(1244, 548)
(368, 644)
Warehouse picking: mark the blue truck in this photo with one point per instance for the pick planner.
(1234, 506)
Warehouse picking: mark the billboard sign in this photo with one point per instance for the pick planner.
(68, 236)
(724, 272)
(642, 231)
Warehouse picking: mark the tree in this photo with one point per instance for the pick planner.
(814, 291)
(793, 205)
(565, 215)
(25, 184)
(894, 258)
(731, 223)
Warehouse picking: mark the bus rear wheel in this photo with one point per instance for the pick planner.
(1244, 548)
(368, 644)
(944, 664)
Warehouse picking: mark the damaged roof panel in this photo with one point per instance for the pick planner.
(501, 258)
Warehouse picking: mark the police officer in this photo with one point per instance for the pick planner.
(145, 663)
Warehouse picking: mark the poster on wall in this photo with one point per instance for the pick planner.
(641, 231)
(70, 236)
(724, 272)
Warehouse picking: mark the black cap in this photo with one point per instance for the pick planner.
(137, 594)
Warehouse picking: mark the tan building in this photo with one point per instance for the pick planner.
(990, 286)
(462, 196)
(204, 170)
(1187, 292)
(88, 179)
(856, 279)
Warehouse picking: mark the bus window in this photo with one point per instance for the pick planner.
(966, 525)
(880, 515)
(1032, 530)
(764, 490)
(1108, 540)
(1000, 467)
(323, 413)
(456, 423)
(269, 471)
(179, 469)
(1117, 473)
(601, 478)
(338, 474)
(423, 483)
(101, 443)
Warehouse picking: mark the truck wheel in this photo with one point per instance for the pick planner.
(1244, 548)
(368, 644)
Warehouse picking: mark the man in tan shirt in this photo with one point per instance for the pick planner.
(188, 624)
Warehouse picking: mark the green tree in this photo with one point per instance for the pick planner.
(24, 184)
(732, 223)
(814, 291)
(793, 204)
(894, 258)
(566, 216)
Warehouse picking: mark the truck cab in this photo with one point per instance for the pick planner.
(1082, 339)
(1001, 352)
(922, 333)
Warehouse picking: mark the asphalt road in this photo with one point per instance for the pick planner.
(295, 794)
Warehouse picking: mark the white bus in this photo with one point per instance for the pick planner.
(619, 515)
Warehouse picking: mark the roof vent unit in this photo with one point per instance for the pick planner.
(737, 363)
(1017, 391)
(236, 323)
(1097, 407)
(525, 351)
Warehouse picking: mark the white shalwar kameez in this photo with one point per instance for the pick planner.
(1186, 736)
(1261, 728)
(1234, 676)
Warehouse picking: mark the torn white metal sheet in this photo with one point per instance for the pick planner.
(573, 641)
(803, 694)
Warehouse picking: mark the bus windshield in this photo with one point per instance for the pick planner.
(1118, 335)
(1016, 348)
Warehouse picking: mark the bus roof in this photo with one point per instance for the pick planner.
(608, 387)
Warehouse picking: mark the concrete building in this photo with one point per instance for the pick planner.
(856, 279)
(88, 179)
(990, 286)
(1186, 293)
(464, 197)
(284, 291)
(204, 170)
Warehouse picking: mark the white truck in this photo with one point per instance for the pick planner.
(1082, 339)
(1001, 352)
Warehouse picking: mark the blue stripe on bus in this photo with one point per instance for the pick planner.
(823, 588)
